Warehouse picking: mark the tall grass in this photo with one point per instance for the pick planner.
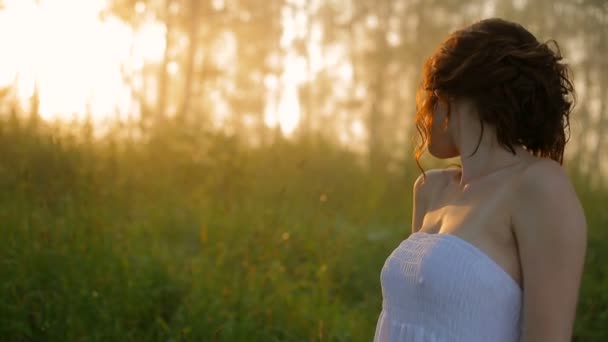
(194, 236)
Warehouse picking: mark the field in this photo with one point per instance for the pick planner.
(195, 237)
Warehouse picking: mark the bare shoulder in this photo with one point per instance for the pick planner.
(545, 194)
(543, 171)
(435, 179)
(544, 178)
(424, 191)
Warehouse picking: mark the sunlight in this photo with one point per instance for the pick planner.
(149, 42)
(285, 109)
(288, 109)
(80, 63)
(73, 57)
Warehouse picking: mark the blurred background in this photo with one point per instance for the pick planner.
(231, 170)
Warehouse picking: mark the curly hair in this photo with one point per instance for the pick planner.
(519, 85)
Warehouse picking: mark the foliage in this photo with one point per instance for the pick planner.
(171, 228)
(110, 240)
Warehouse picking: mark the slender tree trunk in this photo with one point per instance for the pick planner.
(161, 104)
(378, 89)
(602, 64)
(305, 95)
(599, 150)
(35, 108)
(189, 71)
(579, 158)
(596, 170)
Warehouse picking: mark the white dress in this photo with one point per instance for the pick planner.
(440, 288)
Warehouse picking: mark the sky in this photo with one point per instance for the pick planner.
(74, 58)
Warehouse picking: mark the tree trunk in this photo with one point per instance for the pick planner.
(600, 63)
(189, 70)
(375, 115)
(161, 103)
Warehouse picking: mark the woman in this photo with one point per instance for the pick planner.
(497, 247)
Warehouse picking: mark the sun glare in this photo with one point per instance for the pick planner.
(74, 58)
(78, 61)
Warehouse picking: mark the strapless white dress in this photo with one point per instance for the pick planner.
(441, 288)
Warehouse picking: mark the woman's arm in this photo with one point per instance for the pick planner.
(551, 232)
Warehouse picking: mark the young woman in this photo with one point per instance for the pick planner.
(497, 247)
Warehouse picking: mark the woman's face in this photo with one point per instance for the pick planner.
(441, 141)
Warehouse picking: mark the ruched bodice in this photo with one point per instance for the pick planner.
(440, 288)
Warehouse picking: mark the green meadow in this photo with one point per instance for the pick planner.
(197, 237)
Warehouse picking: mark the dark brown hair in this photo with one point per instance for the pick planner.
(519, 85)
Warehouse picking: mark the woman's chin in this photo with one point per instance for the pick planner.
(442, 153)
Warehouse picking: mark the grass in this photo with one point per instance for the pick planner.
(206, 240)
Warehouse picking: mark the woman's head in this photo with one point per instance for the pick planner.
(515, 84)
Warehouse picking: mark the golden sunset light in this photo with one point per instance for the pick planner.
(71, 56)
(291, 170)
(78, 61)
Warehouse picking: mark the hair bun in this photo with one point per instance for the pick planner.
(519, 85)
